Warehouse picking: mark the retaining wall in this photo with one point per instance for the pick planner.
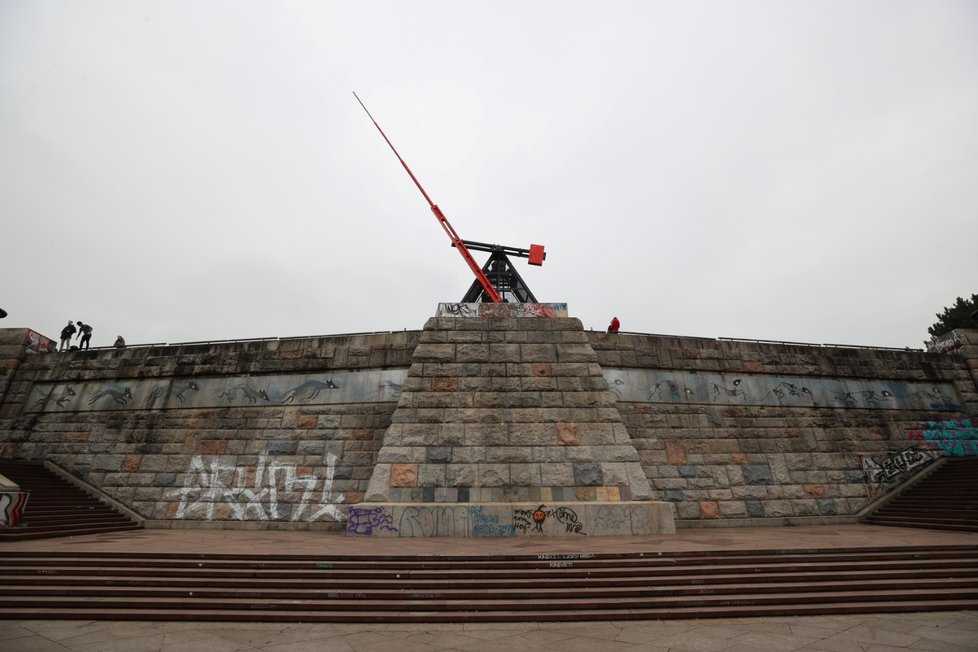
(285, 433)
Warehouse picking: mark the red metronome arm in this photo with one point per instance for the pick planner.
(457, 241)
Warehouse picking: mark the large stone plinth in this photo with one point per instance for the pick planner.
(505, 412)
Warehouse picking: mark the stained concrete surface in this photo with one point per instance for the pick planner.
(938, 632)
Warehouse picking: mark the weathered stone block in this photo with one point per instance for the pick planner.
(757, 474)
(568, 434)
(588, 474)
(404, 475)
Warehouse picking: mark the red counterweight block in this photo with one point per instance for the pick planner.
(537, 255)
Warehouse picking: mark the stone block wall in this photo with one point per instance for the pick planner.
(286, 433)
(204, 451)
(713, 442)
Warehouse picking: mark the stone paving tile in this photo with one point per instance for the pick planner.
(33, 644)
(701, 638)
(948, 634)
(933, 632)
(768, 642)
(863, 636)
(940, 646)
(310, 645)
(644, 633)
(12, 630)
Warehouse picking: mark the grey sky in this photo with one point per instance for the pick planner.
(177, 171)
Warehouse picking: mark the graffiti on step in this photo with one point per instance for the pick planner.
(374, 385)
(953, 437)
(525, 519)
(669, 386)
(362, 521)
(451, 521)
(894, 466)
(212, 487)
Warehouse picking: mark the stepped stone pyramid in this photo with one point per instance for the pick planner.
(506, 427)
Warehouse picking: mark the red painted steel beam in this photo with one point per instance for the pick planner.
(445, 224)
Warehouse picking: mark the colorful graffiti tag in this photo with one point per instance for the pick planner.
(501, 310)
(12, 505)
(955, 438)
(369, 521)
(525, 519)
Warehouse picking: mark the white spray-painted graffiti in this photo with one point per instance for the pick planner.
(894, 466)
(252, 492)
(945, 343)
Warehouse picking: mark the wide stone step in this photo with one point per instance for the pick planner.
(430, 602)
(391, 588)
(302, 592)
(368, 616)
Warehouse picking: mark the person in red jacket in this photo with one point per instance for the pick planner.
(614, 326)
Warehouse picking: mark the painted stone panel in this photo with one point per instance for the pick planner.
(663, 386)
(501, 310)
(205, 392)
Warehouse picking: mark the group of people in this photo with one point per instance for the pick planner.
(84, 337)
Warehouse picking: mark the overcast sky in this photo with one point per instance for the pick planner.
(180, 171)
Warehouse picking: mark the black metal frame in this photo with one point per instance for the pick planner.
(501, 273)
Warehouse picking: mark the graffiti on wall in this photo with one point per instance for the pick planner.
(451, 521)
(953, 437)
(664, 386)
(895, 465)
(527, 519)
(501, 310)
(37, 343)
(252, 492)
(12, 505)
(211, 392)
(363, 521)
(945, 343)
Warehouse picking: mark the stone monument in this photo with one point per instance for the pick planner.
(506, 427)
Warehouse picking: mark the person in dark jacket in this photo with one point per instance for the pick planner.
(66, 334)
(84, 334)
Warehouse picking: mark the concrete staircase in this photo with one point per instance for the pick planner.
(946, 499)
(56, 507)
(558, 587)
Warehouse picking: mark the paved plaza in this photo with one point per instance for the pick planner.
(939, 632)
